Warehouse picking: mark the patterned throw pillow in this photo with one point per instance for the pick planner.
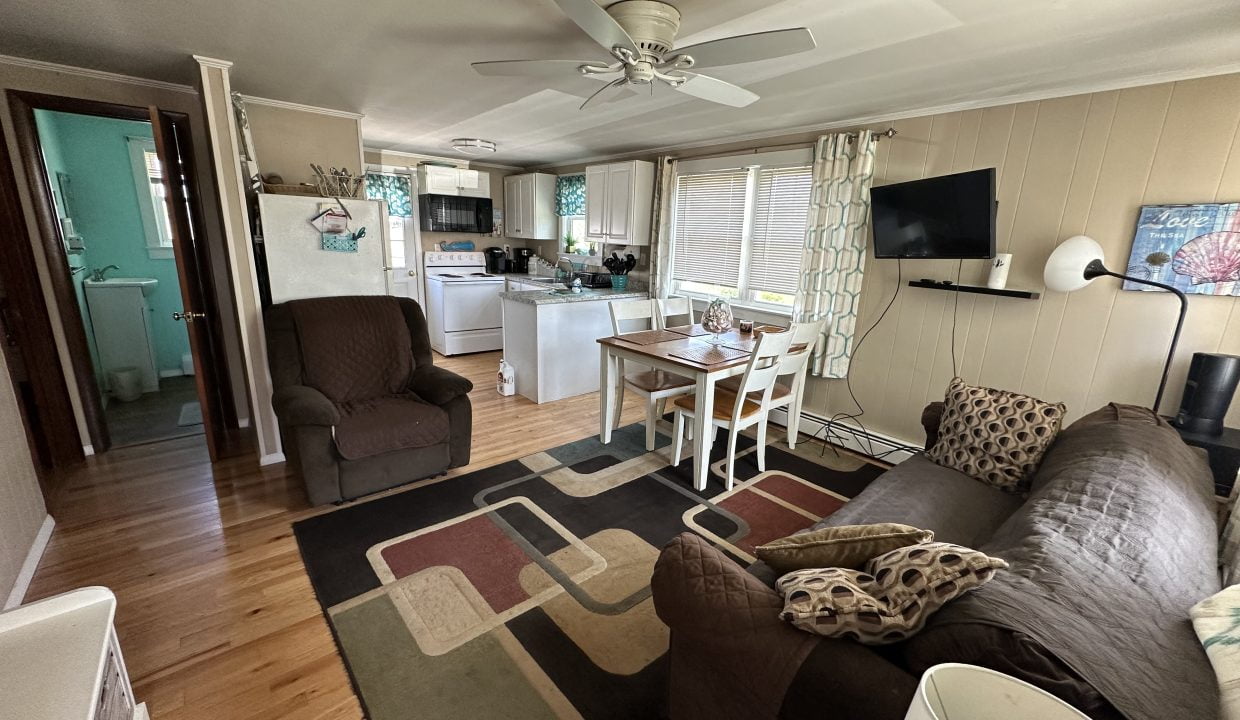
(845, 546)
(891, 599)
(995, 436)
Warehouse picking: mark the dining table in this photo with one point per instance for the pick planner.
(690, 351)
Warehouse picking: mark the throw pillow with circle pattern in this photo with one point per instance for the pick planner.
(995, 436)
(891, 599)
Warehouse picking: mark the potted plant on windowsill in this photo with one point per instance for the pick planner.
(570, 244)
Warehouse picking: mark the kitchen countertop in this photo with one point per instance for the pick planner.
(546, 297)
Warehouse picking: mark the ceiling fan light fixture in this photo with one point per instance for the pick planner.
(473, 146)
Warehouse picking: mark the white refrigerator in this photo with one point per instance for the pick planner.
(299, 266)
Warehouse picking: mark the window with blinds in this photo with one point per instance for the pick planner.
(740, 232)
(710, 227)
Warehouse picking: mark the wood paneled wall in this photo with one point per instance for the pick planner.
(1075, 165)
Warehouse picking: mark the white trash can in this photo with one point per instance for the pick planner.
(126, 383)
(954, 691)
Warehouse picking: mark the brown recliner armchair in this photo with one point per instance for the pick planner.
(362, 408)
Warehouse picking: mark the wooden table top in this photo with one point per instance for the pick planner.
(663, 350)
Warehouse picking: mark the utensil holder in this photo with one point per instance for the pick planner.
(619, 282)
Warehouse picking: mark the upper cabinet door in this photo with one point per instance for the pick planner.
(512, 206)
(473, 183)
(619, 201)
(437, 180)
(528, 198)
(596, 201)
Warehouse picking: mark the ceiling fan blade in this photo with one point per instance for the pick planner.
(705, 87)
(598, 24)
(749, 48)
(611, 91)
(531, 68)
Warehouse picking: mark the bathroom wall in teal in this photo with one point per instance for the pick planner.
(103, 203)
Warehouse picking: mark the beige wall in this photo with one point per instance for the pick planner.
(21, 502)
(52, 82)
(1075, 165)
(287, 140)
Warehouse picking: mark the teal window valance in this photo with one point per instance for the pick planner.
(393, 188)
(570, 195)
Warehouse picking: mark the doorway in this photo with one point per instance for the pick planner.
(108, 193)
(117, 204)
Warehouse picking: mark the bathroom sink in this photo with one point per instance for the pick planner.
(147, 284)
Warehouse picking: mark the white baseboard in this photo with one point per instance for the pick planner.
(271, 459)
(175, 372)
(26, 574)
(865, 442)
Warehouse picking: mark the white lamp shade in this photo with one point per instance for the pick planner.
(1065, 268)
(953, 691)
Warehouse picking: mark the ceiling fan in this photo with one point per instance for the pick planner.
(639, 34)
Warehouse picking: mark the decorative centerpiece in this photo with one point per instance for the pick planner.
(717, 318)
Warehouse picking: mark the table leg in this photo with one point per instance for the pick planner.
(606, 393)
(703, 428)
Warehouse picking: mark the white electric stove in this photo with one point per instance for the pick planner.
(463, 311)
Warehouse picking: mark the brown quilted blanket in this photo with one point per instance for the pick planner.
(1117, 541)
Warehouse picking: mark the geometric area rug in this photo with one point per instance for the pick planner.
(522, 590)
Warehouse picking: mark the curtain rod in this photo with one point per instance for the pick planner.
(888, 133)
(852, 137)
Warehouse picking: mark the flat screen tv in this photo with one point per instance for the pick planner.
(952, 216)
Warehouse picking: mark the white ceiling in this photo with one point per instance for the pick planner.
(405, 64)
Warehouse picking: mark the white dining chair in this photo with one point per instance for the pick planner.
(795, 365)
(735, 411)
(656, 386)
(673, 307)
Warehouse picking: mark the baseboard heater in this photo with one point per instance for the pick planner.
(851, 436)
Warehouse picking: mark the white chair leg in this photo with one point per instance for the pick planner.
(678, 436)
(651, 417)
(762, 445)
(731, 456)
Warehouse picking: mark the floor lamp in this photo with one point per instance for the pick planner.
(1078, 261)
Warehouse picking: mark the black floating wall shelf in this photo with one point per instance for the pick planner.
(976, 289)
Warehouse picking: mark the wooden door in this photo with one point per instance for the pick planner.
(619, 201)
(175, 160)
(596, 202)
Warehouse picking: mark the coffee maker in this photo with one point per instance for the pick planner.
(520, 262)
(497, 260)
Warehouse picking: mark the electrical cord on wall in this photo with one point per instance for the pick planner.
(955, 308)
(834, 428)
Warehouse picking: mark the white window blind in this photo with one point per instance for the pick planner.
(710, 226)
(780, 211)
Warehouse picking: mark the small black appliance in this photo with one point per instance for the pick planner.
(1212, 381)
(453, 213)
(520, 262)
(497, 260)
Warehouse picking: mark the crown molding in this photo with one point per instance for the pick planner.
(854, 123)
(285, 105)
(213, 62)
(440, 158)
(94, 74)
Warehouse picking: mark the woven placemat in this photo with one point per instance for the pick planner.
(690, 330)
(744, 343)
(649, 337)
(708, 354)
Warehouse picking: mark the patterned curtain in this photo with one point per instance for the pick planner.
(394, 189)
(661, 244)
(833, 261)
(570, 195)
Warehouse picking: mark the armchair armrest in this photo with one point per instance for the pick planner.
(931, 415)
(437, 385)
(302, 405)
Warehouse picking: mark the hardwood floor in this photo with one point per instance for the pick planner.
(216, 616)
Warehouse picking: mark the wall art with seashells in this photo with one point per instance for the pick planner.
(1195, 248)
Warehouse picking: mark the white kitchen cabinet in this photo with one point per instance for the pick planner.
(619, 199)
(439, 180)
(529, 206)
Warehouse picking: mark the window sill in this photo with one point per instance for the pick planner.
(160, 253)
(783, 313)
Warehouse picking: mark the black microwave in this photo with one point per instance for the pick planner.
(453, 213)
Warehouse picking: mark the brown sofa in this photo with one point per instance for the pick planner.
(1116, 540)
(361, 405)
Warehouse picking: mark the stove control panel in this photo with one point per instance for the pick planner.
(454, 259)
